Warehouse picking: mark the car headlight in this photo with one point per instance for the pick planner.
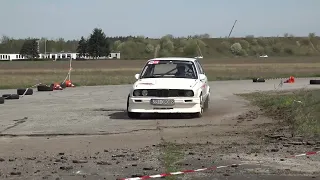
(189, 93)
(136, 92)
(144, 92)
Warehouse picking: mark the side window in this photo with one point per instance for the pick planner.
(199, 67)
(146, 70)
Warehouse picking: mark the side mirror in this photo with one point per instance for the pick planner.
(137, 76)
(202, 77)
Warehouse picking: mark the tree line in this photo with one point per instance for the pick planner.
(97, 44)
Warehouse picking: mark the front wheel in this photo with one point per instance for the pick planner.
(132, 115)
(199, 114)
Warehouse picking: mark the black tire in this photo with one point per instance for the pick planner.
(63, 85)
(11, 96)
(206, 103)
(45, 87)
(1, 100)
(132, 115)
(315, 81)
(21, 91)
(258, 80)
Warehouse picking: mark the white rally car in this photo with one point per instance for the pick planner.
(169, 85)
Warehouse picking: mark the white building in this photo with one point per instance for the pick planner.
(56, 56)
(10, 57)
(113, 55)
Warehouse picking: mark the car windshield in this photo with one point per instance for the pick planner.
(169, 69)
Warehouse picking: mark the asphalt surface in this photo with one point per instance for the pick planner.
(101, 109)
(83, 121)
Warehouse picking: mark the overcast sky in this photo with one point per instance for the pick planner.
(71, 19)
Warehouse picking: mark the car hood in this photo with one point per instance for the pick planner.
(165, 83)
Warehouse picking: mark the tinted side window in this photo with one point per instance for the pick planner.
(197, 67)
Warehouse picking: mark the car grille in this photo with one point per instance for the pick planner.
(166, 92)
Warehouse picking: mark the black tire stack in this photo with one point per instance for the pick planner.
(28, 91)
(20, 92)
(1, 100)
(256, 80)
(25, 91)
(315, 81)
(63, 85)
(11, 96)
(44, 87)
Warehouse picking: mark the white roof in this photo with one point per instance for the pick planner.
(173, 59)
(8, 54)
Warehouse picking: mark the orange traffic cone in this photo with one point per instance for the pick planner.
(69, 83)
(56, 86)
(290, 80)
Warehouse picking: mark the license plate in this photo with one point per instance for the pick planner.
(168, 102)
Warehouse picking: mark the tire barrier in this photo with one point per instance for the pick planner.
(44, 87)
(21, 92)
(25, 91)
(11, 96)
(258, 80)
(315, 81)
(291, 79)
(40, 87)
(63, 85)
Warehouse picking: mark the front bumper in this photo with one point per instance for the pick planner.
(182, 105)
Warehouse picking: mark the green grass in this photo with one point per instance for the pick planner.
(91, 73)
(300, 109)
(171, 154)
(117, 77)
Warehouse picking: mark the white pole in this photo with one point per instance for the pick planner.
(70, 68)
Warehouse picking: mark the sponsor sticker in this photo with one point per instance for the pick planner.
(154, 62)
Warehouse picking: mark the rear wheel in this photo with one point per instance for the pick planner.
(206, 103)
(132, 115)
